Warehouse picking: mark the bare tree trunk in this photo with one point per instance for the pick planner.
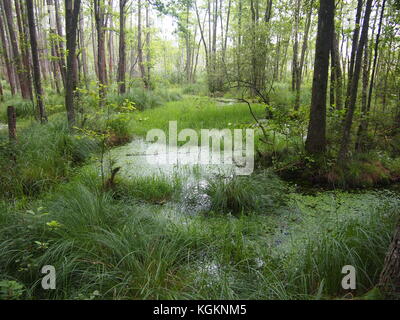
(35, 60)
(360, 142)
(140, 46)
(10, 74)
(21, 72)
(122, 50)
(99, 13)
(337, 85)
(344, 146)
(60, 45)
(389, 280)
(316, 137)
(72, 8)
(110, 44)
(23, 44)
(12, 123)
(302, 57)
(148, 48)
(83, 51)
(354, 49)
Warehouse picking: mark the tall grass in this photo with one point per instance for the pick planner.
(44, 156)
(262, 193)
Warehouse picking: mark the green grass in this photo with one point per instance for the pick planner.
(259, 240)
(262, 192)
(194, 113)
(106, 248)
(153, 189)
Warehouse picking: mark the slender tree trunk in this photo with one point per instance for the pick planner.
(72, 8)
(99, 13)
(9, 69)
(21, 72)
(354, 50)
(360, 142)
(23, 44)
(122, 50)
(337, 72)
(148, 47)
(140, 46)
(316, 137)
(60, 45)
(83, 51)
(345, 142)
(35, 60)
(302, 57)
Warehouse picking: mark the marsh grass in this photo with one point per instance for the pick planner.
(262, 193)
(260, 240)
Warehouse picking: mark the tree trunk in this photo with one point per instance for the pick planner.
(302, 57)
(354, 50)
(23, 44)
(72, 8)
(83, 51)
(148, 48)
(360, 142)
(10, 73)
(337, 73)
(99, 13)
(122, 50)
(35, 60)
(12, 124)
(60, 45)
(389, 280)
(140, 46)
(345, 142)
(21, 72)
(316, 137)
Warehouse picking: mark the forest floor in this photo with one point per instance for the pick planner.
(190, 232)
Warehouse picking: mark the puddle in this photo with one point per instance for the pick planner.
(220, 102)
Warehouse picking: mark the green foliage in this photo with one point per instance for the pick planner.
(153, 189)
(144, 99)
(11, 290)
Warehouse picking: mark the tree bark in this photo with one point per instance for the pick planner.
(12, 124)
(316, 137)
(72, 8)
(60, 45)
(10, 73)
(389, 280)
(99, 14)
(345, 142)
(337, 85)
(122, 50)
(24, 46)
(35, 60)
(21, 72)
